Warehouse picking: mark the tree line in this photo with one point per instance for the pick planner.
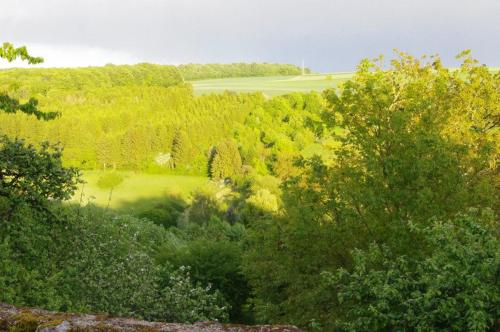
(194, 71)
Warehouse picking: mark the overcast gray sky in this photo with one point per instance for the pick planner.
(330, 35)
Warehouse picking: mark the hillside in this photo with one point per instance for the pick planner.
(370, 207)
(126, 117)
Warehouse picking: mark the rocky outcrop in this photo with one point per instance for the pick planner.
(13, 319)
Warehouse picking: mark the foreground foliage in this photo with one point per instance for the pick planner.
(33, 177)
(455, 286)
(92, 261)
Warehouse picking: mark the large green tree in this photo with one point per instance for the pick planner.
(181, 149)
(399, 164)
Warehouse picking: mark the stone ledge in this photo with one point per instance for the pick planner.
(14, 319)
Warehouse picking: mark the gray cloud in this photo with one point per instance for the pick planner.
(331, 35)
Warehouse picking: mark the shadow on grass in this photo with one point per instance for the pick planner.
(163, 211)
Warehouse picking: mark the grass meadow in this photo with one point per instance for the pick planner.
(138, 191)
(271, 86)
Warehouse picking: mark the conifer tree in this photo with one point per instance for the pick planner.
(225, 161)
(181, 149)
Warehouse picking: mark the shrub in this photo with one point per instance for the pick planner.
(109, 180)
(454, 288)
(184, 302)
(216, 263)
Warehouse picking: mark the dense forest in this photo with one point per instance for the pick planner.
(126, 117)
(372, 206)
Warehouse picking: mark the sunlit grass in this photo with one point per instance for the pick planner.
(137, 189)
(271, 86)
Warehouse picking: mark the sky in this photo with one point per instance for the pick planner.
(328, 35)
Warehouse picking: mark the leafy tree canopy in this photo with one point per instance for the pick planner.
(11, 53)
(11, 105)
(417, 142)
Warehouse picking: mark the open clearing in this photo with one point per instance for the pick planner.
(137, 189)
(271, 85)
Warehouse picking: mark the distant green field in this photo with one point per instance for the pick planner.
(138, 190)
(271, 86)
(275, 85)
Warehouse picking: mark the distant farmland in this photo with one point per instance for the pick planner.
(271, 86)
